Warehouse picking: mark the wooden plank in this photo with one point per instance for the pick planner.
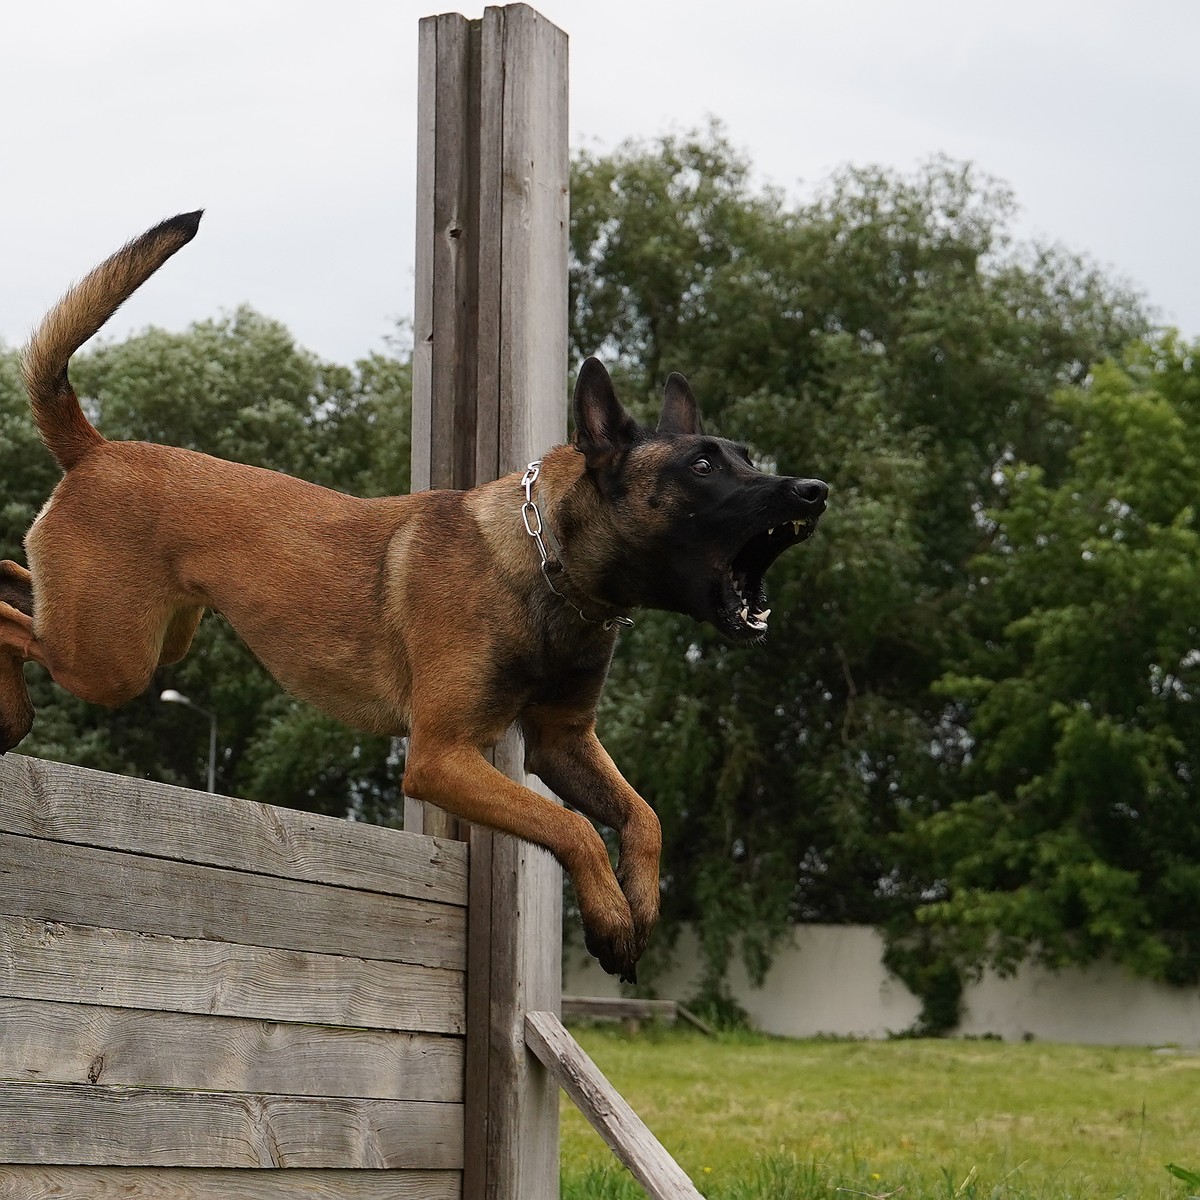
(623, 1008)
(524, 170)
(535, 214)
(444, 397)
(619, 1008)
(499, 118)
(72, 804)
(421, 472)
(191, 1183)
(525, 968)
(48, 1042)
(57, 881)
(607, 1110)
(456, 206)
(42, 960)
(490, 246)
(94, 1125)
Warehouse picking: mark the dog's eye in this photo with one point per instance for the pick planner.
(702, 466)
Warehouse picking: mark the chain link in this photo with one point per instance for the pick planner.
(531, 516)
(529, 510)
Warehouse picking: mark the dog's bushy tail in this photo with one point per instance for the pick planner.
(76, 317)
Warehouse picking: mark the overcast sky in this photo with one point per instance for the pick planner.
(293, 123)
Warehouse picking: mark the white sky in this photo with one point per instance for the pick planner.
(293, 123)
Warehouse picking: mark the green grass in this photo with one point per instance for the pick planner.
(757, 1118)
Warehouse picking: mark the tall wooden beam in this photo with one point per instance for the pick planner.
(489, 395)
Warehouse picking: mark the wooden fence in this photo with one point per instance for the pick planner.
(204, 984)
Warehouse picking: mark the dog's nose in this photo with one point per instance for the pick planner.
(813, 492)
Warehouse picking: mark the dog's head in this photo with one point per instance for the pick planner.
(694, 524)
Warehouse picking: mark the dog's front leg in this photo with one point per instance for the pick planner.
(455, 776)
(561, 748)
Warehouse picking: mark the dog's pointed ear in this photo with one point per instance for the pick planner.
(680, 413)
(603, 429)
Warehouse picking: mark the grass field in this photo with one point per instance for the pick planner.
(756, 1118)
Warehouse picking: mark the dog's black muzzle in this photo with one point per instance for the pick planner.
(786, 514)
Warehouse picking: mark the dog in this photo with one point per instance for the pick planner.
(447, 616)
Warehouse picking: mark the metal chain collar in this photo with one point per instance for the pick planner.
(531, 516)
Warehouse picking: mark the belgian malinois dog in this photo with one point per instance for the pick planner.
(445, 615)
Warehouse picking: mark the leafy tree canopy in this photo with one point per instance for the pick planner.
(1076, 835)
(888, 336)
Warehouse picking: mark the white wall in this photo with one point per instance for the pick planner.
(830, 980)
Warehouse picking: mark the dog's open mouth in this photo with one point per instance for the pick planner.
(742, 611)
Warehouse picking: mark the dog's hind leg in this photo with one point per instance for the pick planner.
(180, 630)
(562, 749)
(16, 710)
(16, 586)
(457, 777)
(100, 661)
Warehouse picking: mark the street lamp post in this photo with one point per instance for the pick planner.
(171, 696)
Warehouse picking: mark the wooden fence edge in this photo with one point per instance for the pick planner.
(632, 1009)
(606, 1109)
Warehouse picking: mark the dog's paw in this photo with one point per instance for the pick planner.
(618, 956)
(642, 896)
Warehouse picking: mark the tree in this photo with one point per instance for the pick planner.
(888, 337)
(1076, 835)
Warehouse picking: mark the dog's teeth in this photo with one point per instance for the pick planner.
(746, 613)
(762, 616)
(798, 525)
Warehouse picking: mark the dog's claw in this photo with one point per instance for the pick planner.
(614, 961)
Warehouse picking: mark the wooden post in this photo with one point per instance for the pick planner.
(489, 396)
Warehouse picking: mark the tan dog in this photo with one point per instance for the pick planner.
(439, 614)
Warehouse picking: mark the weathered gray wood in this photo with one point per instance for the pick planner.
(525, 967)
(47, 1042)
(45, 960)
(58, 881)
(610, 1115)
(72, 804)
(190, 1183)
(101, 1126)
(534, 169)
(619, 1008)
(421, 467)
(524, 173)
(456, 203)
(492, 321)
(625, 1008)
(445, 312)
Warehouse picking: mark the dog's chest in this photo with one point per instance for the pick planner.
(567, 673)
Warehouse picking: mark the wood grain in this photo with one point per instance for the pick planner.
(524, 174)
(625, 1008)
(607, 1110)
(45, 960)
(58, 881)
(47, 1042)
(72, 804)
(95, 1125)
(183, 1183)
